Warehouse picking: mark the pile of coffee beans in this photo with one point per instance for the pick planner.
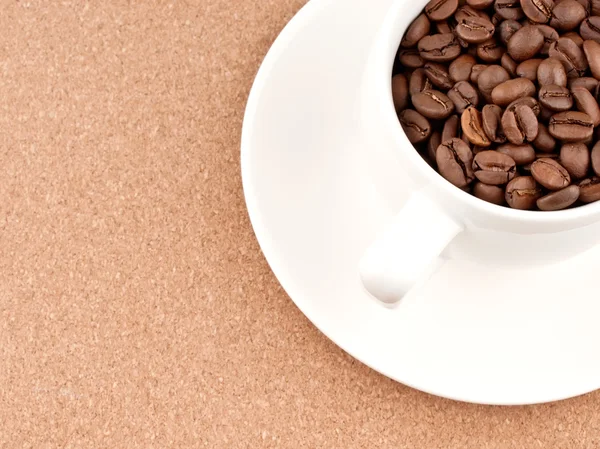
(501, 97)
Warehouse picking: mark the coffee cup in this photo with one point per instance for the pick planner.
(438, 220)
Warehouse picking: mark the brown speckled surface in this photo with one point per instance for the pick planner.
(136, 310)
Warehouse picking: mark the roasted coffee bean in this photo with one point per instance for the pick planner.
(489, 78)
(571, 56)
(576, 38)
(585, 81)
(493, 167)
(443, 27)
(538, 11)
(432, 145)
(550, 174)
(480, 4)
(416, 127)
(591, 50)
(491, 194)
(454, 160)
(511, 90)
(520, 124)
(589, 190)
(411, 58)
(560, 199)
(463, 95)
(509, 9)
(472, 127)
(525, 43)
(527, 101)
(521, 154)
(416, 31)
(522, 193)
(586, 102)
(575, 157)
(467, 11)
(555, 98)
(451, 128)
(544, 141)
(490, 50)
(476, 70)
(595, 7)
(528, 69)
(506, 29)
(550, 36)
(474, 30)
(433, 104)
(509, 64)
(590, 29)
(400, 92)
(571, 126)
(567, 15)
(460, 68)
(551, 71)
(439, 47)
(438, 75)
(595, 158)
(438, 10)
(491, 117)
(418, 82)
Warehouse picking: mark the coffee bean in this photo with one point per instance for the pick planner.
(439, 47)
(463, 95)
(595, 7)
(560, 199)
(451, 128)
(400, 92)
(509, 9)
(509, 64)
(511, 90)
(520, 124)
(527, 101)
(591, 50)
(432, 145)
(491, 117)
(467, 11)
(575, 157)
(538, 11)
(567, 15)
(551, 71)
(472, 127)
(489, 78)
(491, 194)
(410, 58)
(493, 167)
(521, 154)
(586, 102)
(522, 193)
(585, 81)
(443, 27)
(571, 56)
(571, 126)
(438, 75)
(474, 30)
(416, 31)
(525, 43)
(544, 141)
(528, 69)
(550, 36)
(589, 190)
(595, 158)
(454, 160)
(433, 104)
(490, 50)
(416, 127)
(550, 174)
(555, 98)
(438, 10)
(480, 4)
(576, 38)
(460, 68)
(476, 70)
(590, 29)
(506, 29)
(418, 82)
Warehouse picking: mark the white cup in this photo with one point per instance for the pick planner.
(438, 214)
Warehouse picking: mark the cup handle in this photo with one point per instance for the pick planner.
(408, 250)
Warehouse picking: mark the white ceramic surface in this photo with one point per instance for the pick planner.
(477, 331)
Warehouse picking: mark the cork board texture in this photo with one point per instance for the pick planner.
(137, 310)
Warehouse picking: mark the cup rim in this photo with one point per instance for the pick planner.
(386, 47)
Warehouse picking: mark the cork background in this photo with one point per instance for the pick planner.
(136, 309)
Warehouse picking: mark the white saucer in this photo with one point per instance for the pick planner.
(497, 335)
